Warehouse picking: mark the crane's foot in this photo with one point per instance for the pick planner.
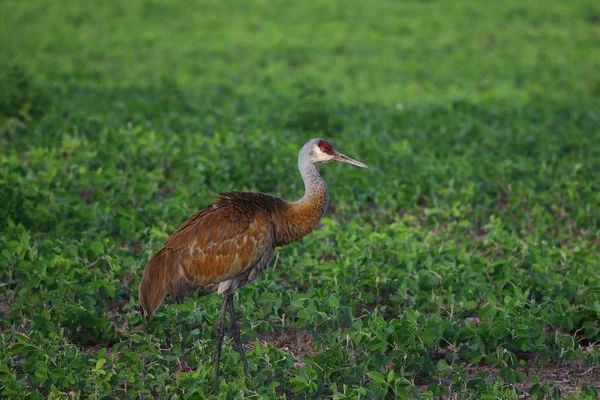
(235, 332)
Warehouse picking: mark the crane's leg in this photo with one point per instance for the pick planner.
(220, 334)
(235, 332)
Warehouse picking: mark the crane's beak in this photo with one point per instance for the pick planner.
(345, 159)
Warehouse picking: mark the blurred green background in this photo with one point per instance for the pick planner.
(463, 262)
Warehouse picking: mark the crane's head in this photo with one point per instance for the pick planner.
(321, 151)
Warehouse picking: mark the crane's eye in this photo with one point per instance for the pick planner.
(325, 147)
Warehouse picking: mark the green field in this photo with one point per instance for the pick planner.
(464, 263)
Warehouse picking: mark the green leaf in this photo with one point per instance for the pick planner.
(97, 247)
(100, 363)
(377, 377)
(390, 376)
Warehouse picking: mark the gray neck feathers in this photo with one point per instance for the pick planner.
(314, 185)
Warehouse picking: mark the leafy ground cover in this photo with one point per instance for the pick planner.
(462, 264)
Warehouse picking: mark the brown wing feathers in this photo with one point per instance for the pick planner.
(222, 241)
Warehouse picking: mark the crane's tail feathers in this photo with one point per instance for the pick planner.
(153, 286)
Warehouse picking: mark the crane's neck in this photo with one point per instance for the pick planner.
(302, 216)
(315, 188)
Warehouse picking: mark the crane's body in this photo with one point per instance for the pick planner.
(230, 242)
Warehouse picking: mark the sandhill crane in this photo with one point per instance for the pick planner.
(229, 243)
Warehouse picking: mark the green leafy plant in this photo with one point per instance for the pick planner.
(462, 264)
